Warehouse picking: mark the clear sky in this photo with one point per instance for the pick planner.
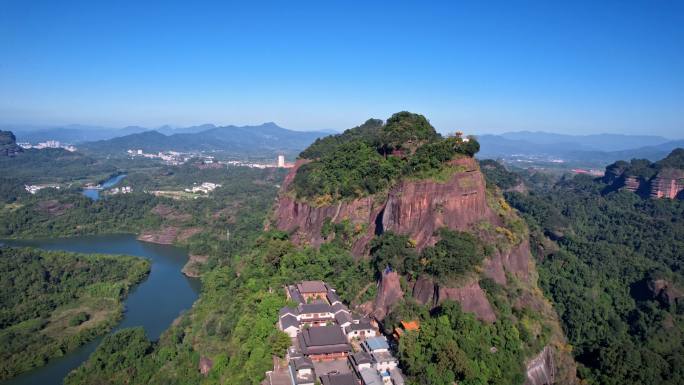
(480, 66)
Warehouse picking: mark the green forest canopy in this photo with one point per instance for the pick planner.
(615, 251)
(48, 297)
(369, 158)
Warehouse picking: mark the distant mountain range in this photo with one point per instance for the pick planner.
(269, 138)
(265, 140)
(596, 149)
(78, 133)
(72, 134)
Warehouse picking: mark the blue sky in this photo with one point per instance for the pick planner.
(481, 66)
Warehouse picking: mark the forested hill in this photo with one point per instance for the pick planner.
(372, 157)
(8, 144)
(661, 179)
(612, 262)
(265, 139)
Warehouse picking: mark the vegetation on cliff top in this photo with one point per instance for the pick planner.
(53, 302)
(645, 169)
(371, 157)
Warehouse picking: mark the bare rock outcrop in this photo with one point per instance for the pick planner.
(515, 261)
(661, 179)
(470, 296)
(424, 290)
(669, 183)
(541, 370)
(419, 208)
(389, 293)
(664, 291)
(205, 365)
(472, 299)
(193, 266)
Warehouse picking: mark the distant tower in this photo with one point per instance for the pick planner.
(281, 160)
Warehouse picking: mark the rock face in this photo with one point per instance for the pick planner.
(205, 365)
(664, 291)
(515, 261)
(8, 144)
(669, 183)
(419, 208)
(424, 290)
(632, 184)
(662, 179)
(472, 299)
(389, 293)
(541, 369)
(193, 266)
(470, 295)
(412, 207)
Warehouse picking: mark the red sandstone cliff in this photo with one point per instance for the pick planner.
(669, 183)
(414, 207)
(515, 261)
(420, 208)
(417, 208)
(389, 293)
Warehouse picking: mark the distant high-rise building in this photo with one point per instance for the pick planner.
(281, 160)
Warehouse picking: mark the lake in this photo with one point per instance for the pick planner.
(94, 194)
(153, 304)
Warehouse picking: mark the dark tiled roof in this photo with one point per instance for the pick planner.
(359, 358)
(342, 318)
(305, 287)
(322, 340)
(302, 363)
(333, 297)
(308, 308)
(294, 294)
(363, 325)
(339, 307)
(324, 335)
(288, 321)
(285, 310)
(338, 379)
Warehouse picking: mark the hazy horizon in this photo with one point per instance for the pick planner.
(37, 127)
